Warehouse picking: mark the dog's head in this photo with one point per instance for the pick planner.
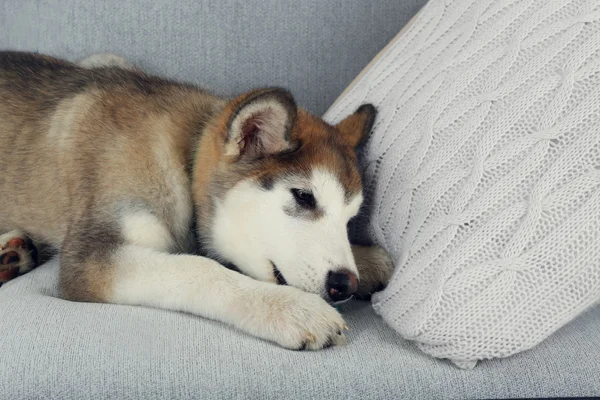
(275, 187)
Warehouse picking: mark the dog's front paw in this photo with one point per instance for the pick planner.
(298, 320)
(375, 268)
(17, 255)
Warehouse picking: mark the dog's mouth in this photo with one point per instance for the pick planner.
(278, 275)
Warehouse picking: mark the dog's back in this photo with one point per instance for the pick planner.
(70, 133)
(31, 88)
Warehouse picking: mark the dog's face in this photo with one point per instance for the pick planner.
(276, 190)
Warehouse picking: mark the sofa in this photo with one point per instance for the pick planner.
(54, 349)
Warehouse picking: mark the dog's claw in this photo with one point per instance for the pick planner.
(311, 338)
(340, 340)
(346, 327)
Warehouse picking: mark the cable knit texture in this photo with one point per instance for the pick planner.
(482, 173)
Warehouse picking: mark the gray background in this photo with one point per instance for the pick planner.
(313, 47)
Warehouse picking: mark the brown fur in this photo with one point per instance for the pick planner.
(375, 268)
(79, 145)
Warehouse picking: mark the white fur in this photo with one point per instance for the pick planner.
(201, 286)
(105, 60)
(14, 234)
(144, 229)
(251, 229)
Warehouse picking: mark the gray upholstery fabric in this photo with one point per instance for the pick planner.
(313, 47)
(55, 349)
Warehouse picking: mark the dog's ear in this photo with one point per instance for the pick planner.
(354, 128)
(261, 123)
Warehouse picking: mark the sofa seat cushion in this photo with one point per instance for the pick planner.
(55, 349)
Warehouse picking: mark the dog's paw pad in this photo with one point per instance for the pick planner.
(10, 257)
(9, 265)
(15, 243)
(17, 255)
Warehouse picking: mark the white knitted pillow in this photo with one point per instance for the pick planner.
(483, 173)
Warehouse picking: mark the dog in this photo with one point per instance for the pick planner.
(160, 194)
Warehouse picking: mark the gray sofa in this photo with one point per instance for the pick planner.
(54, 349)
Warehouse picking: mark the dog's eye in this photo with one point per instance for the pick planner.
(304, 198)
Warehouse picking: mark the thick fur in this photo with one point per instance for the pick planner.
(114, 169)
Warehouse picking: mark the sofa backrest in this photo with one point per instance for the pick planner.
(313, 47)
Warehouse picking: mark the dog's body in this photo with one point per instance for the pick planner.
(115, 169)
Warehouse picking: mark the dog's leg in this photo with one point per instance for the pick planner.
(17, 255)
(375, 269)
(131, 274)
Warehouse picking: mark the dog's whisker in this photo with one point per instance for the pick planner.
(340, 302)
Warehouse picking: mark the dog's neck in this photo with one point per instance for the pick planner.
(205, 148)
(207, 109)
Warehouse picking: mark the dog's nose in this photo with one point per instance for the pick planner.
(341, 284)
